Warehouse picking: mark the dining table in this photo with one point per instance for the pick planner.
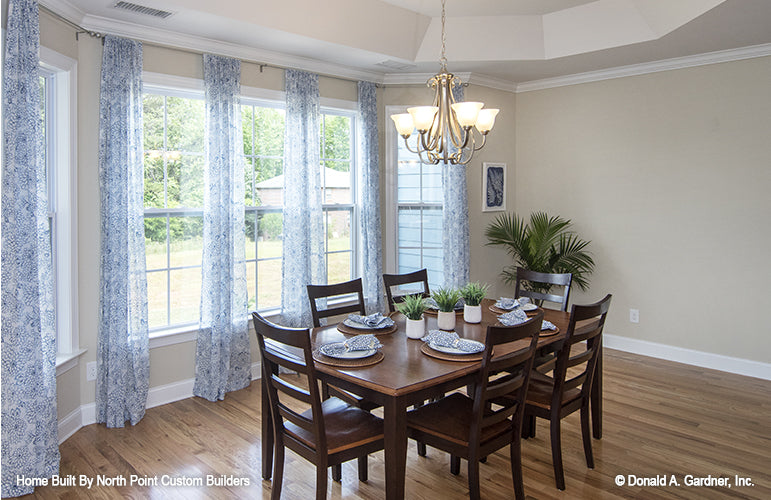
(408, 376)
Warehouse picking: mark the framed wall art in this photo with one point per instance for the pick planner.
(493, 187)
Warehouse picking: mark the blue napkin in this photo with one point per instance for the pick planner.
(506, 303)
(513, 318)
(362, 343)
(376, 320)
(442, 338)
(548, 325)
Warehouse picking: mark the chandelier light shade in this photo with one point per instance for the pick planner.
(445, 129)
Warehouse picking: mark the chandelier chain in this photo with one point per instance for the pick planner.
(443, 59)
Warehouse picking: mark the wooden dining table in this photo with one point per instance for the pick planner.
(406, 376)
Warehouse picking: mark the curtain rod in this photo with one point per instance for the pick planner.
(80, 30)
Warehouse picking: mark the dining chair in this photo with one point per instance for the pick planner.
(569, 388)
(472, 427)
(561, 279)
(394, 280)
(316, 292)
(328, 432)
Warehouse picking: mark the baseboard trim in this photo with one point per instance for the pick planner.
(702, 359)
(160, 395)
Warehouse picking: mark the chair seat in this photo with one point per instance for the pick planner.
(450, 419)
(346, 426)
(352, 398)
(540, 389)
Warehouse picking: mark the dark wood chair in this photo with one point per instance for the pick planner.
(569, 388)
(473, 427)
(316, 292)
(564, 280)
(329, 432)
(393, 280)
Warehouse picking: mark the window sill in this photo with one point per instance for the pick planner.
(67, 361)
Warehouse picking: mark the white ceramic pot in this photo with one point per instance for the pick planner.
(472, 314)
(416, 328)
(445, 320)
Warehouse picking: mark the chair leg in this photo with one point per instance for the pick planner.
(337, 473)
(586, 436)
(321, 481)
(363, 473)
(473, 478)
(556, 452)
(515, 450)
(278, 470)
(454, 465)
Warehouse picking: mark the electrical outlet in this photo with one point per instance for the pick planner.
(634, 315)
(91, 370)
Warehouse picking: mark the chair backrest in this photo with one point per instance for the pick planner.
(576, 370)
(504, 378)
(290, 348)
(323, 291)
(392, 280)
(561, 279)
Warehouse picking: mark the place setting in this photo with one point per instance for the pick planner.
(358, 351)
(517, 316)
(374, 324)
(449, 346)
(505, 304)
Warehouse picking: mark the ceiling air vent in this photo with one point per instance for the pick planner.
(141, 9)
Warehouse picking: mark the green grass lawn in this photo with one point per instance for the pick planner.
(185, 284)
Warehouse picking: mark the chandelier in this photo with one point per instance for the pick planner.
(445, 127)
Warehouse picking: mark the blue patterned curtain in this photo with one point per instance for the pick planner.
(29, 426)
(303, 257)
(369, 219)
(123, 361)
(455, 230)
(222, 359)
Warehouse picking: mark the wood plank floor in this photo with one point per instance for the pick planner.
(660, 418)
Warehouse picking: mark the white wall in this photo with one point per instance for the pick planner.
(669, 175)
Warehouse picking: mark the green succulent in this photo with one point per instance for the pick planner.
(446, 298)
(473, 293)
(412, 306)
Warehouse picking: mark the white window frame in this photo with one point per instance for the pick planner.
(60, 72)
(391, 257)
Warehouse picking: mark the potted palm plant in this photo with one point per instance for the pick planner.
(413, 307)
(445, 299)
(472, 294)
(545, 244)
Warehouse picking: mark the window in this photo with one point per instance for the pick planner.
(174, 171)
(416, 220)
(57, 102)
(174, 174)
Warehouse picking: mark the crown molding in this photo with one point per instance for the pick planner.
(64, 9)
(645, 68)
(200, 44)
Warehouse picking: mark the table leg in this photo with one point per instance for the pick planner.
(267, 432)
(596, 397)
(395, 423)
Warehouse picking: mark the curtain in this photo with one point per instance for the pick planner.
(303, 240)
(369, 219)
(223, 360)
(455, 226)
(29, 422)
(123, 362)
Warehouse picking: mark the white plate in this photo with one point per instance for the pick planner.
(453, 350)
(328, 350)
(529, 307)
(361, 326)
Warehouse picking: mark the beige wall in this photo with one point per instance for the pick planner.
(669, 175)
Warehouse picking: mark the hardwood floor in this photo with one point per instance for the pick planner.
(660, 419)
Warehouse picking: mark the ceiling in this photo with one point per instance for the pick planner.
(510, 41)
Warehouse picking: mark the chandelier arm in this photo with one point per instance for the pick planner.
(407, 145)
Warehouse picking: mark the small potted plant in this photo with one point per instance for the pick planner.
(445, 299)
(472, 294)
(413, 307)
